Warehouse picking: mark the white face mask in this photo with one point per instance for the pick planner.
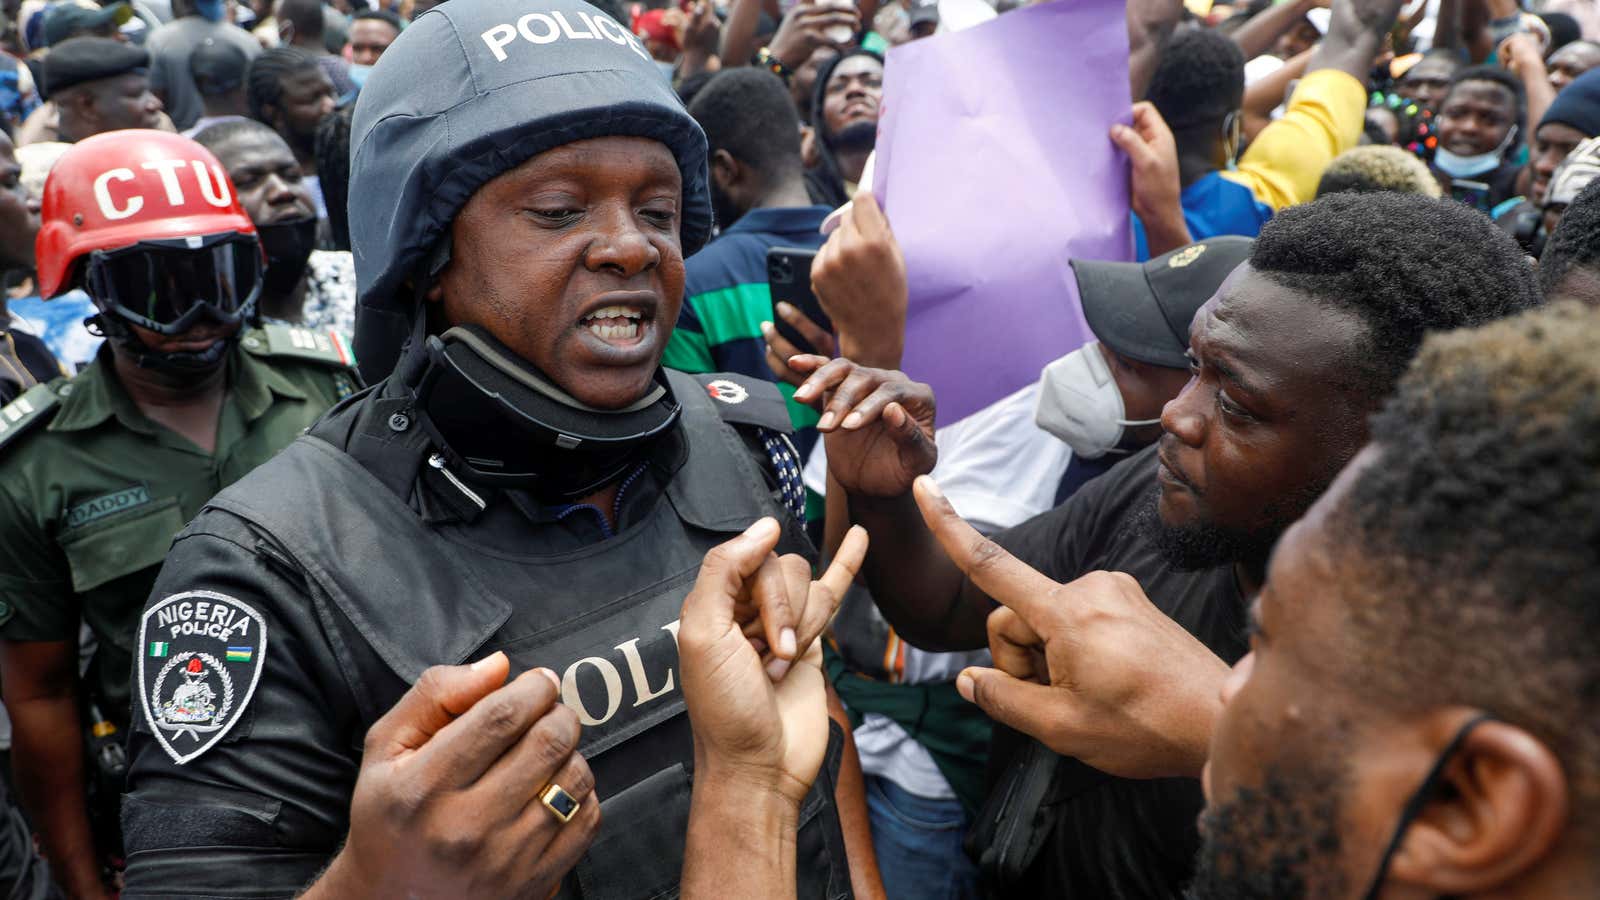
(1080, 404)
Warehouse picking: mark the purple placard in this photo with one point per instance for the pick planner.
(995, 168)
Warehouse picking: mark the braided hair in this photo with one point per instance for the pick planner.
(265, 77)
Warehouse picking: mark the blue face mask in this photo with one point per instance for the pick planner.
(210, 10)
(358, 74)
(1457, 166)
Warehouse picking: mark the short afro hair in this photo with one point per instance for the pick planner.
(1471, 542)
(1495, 75)
(1378, 167)
(749, 112)
(1576, 241)
(1404, 263)
(1199, 80)
(381, 15)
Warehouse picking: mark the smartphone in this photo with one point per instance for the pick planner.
(789, 275)
(1473, 193)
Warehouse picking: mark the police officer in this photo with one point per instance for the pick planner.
(525, 489)
(100, 471)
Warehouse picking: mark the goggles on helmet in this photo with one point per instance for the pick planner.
(170, 285)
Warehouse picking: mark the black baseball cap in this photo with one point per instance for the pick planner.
(217, 66)
(64, 20)
(1142, 310)
(83, 59)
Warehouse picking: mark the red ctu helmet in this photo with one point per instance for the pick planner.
(124, 187)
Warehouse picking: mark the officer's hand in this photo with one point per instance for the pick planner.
(878, 424)
(447, 802)
(748, 730)
(1092, 668)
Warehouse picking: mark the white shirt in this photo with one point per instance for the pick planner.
(998, 469)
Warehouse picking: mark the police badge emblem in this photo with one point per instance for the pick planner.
(200, 655)
(727, 391)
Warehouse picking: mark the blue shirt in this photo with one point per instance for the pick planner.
(1213, 205)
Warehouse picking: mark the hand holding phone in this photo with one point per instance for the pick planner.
(789, 275)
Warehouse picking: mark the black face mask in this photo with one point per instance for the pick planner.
(508, 425)
(288, 246)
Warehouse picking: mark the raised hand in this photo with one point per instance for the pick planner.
(1091, 669)
(1156, 191)
(807, 27)
(859, 277)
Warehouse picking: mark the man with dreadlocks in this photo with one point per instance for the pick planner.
(289, 91)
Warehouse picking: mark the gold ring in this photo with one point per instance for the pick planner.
(560, 803)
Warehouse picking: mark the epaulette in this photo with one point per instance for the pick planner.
(34, 407)
(742, 400)
(321, 345)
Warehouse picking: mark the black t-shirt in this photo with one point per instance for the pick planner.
(1115, 837)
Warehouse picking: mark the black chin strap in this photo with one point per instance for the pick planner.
(1419, 799)
(118, 332)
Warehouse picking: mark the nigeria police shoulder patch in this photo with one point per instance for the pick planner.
(200, 656)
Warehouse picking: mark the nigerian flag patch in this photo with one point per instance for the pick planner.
(160, 648)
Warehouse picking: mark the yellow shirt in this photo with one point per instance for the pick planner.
(1284, 163)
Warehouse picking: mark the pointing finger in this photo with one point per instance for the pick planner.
(1006, 579)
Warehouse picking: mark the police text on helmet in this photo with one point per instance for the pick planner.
(546, 28)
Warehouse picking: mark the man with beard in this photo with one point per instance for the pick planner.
(101, 470)
(1417, 712)
(844, 110)
(758, 190)
(1289, 358)
(1415, 716)
(300, 284)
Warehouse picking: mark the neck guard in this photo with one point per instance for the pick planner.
(510, 426)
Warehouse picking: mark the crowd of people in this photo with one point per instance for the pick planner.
(464, 449)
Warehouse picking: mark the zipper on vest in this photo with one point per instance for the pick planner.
(437, 461)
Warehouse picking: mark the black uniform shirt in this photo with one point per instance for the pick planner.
(1114, 837)
(380, 561)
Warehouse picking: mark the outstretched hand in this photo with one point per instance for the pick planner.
(878, 424)
(1091, 668)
